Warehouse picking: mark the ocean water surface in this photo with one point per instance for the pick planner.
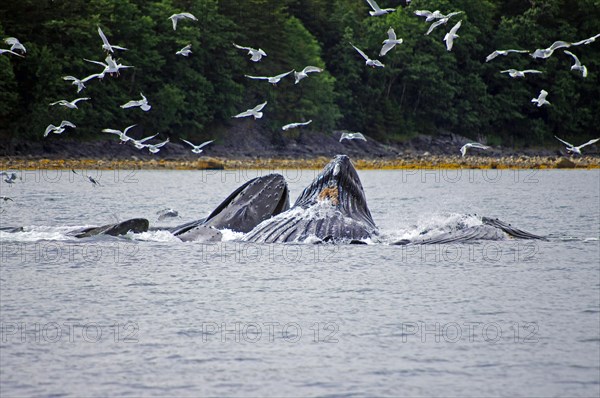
(149, 315)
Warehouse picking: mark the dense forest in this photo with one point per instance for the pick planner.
(423, 88)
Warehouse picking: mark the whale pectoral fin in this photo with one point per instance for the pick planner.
(509, 229)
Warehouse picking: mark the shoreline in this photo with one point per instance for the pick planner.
(218, 163)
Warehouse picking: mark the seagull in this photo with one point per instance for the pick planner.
(143, 104)
(197, 148)
(2, 51)
(586, 41)
(377, 11)
(175, 17)
(547, 52)
(502, 52)
(429, 16)
(70, 105)
(139, 144)
(273, 79)
(541, 99)
(15, 44)
(80, 82)
(390, 42)
(6, 198)
(256, 111)
(89, 178)
(122, 134)
(450, 36)
(304, 73)
(106, 45)
(519, 73)
(294, 125)
(10, 177)
(577, 149)
(57, 130)
(256, 55)
(352, 136)
(185, 51)
(442, 21)
(368, 61)
(156, 147)
(110, 66)
(577, 65)
(463, 149)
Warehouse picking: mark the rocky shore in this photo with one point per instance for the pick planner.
(256, 149)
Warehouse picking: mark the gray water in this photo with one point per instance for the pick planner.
(147, 315)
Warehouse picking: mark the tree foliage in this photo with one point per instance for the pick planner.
(423, 88)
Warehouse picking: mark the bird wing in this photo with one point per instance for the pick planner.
(188, 47)
(455, 28)
(564, 142)
(374, 5)
(360, 52)
(257, 77)
(306, 123)
(11, 41)
(242, 48)
(90, 77)
(259, 107)
(205, 144)
(463, 149)
(189, 143)
(590, 142)
(128, 127)
(103, 37)
(452, 14)
(96, 62)
(187, 15)
(147, 138)
(70, 78)
(61, 102)
(79, 99)
(359, 136)
(516, 51)
(144, 99)
(283, 74)
(391, 34)
(492, 56)
(386, 48)
(558, 44)
(311, 69)
(244, 114)
(574, 57)
(436, 24)
(532, 71)
(423, 13)
(478, 145)
(173, 19)
(161, 144)
(111, 131)
(543, 95)
(509, 71)
(130, 104)
(66, 123)
(49, 129)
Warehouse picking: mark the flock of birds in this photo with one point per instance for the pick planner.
(111, 67)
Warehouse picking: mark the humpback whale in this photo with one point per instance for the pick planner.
(331, 209)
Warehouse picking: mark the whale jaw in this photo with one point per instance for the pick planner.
(333, 208)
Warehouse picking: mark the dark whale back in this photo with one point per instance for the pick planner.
(333, 208)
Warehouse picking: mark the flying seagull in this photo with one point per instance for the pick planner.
(450, 36)
(80, 83)
(70, 105)
(106, 45)
(304, 73)
(272, 79)
(442, 21)
(110, 66)
(577, 149)
(89, 178)
(2, 51)
(15, 44)
(519, 73)
(547, 52)
(586, 41)
(390, 42)
(256, 111)
(143, 104)
(541, 99)
(294, 125)
(10, 177)
(463, 149)
(255, 55)
(57, 130)
(122, 134)
(377, 11)
(197, 148)
(352, 136)
(577, 65)
(139, 144)
(183, 15)
(368, 61)
(185, 51)
(156, 147)
(6, 198)
(502, 52)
